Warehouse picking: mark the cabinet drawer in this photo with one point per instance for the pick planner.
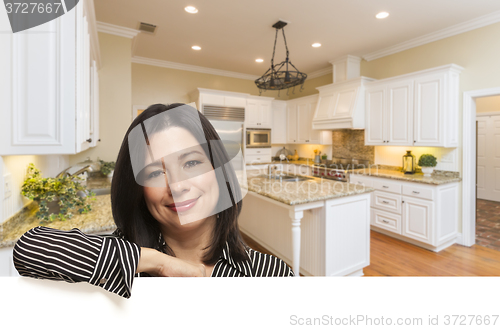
(418, 192)
(258, 151)
(387, 201)
(387, 186)
(361, 180)
(257, 158)
(386, 220)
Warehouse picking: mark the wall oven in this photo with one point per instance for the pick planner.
(257, 137)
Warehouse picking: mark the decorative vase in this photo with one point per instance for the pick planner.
(110, 175)
(427, 171)
(295, 156)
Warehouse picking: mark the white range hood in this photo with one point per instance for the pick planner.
(341, 104)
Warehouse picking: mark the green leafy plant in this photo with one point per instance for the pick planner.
(107, 167)
(66, 190)
(427, 160)
(324, 156)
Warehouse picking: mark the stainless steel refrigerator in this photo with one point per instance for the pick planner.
(228, 122)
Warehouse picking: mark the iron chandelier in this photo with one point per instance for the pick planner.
(281, 76)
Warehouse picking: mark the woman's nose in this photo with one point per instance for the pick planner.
(177, 186)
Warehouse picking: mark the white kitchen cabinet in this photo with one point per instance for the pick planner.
(278, 130)
(417, 219)
(218, 98)
(46, 86)
(258, 113)
(423, 214)
(291, 123)
(415, 109)
(389, 109)
(257, 155)
(300, 114)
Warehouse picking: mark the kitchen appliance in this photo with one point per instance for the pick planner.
(336, 170)
(409, 163)
(258, 137)
(228, 122)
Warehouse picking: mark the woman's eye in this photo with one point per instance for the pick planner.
(192, 163)
(155, 174)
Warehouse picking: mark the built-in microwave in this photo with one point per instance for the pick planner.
(258, 137)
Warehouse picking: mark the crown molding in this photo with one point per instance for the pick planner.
(320, 72)
(192, 68)
(470, 25)
(117, 30)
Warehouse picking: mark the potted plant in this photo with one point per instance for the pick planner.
(107, 168)
(57, 197)
(427, 162)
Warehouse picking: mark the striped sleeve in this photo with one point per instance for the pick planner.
(72, 256)
(268, 265)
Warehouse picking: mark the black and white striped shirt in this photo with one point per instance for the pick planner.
(110, 262)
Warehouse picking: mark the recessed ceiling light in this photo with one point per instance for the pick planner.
(316, 45)
(196, 47)
(191, 9)
(259, 60)
(382, 15)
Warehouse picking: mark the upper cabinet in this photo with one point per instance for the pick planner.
(258, 112)
(49, 85)
(341, 105)
(299, 122)
(416, 109)
(279, 129)
(218, 98)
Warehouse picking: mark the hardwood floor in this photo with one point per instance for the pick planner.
(392, 257)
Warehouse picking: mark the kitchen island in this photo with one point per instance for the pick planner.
(320, 226)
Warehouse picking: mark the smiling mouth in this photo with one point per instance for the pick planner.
(183, 206)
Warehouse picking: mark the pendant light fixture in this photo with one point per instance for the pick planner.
(283, 75)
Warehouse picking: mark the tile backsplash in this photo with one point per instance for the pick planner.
(350, 143)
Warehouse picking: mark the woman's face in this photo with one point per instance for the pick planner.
(190, 190)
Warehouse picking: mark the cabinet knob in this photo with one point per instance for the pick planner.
(89, 140)
(99, 140)
(414, 141)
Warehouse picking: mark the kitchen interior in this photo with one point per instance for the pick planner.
(355, 171)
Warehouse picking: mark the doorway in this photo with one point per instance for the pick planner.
(469, 156)
(488, 172)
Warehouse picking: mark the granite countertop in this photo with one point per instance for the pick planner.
(438, 177)
(314, 189)
(301, 161)
(100, 219)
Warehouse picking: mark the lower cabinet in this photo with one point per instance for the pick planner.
(423, 214)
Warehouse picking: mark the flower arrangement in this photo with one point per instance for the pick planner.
(67, 190)
(427, 160)
(107, 167)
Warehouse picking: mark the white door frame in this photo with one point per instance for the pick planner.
(469, 163)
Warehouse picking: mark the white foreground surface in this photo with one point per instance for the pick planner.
(244, 302)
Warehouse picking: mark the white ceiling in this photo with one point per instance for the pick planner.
(233, 33)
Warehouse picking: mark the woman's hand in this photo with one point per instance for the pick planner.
(156, 263)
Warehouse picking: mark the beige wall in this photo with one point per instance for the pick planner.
(115, 94)
(153, 84)
(310, 86)
(488, 104)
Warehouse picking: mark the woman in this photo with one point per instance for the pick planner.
(175, 200)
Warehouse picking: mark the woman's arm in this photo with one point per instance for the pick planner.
(72, 256)
(156, 263)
